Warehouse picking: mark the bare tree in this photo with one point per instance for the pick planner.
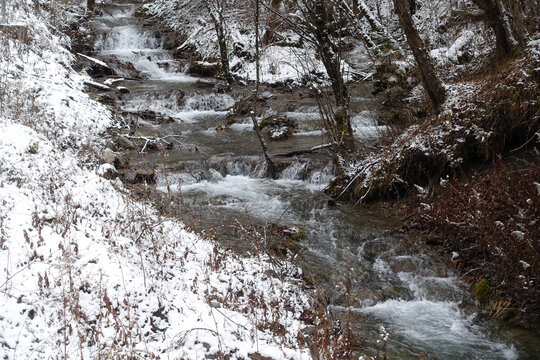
(270, 167)
(216, 11)
(430, 80)
(505, 18)
(320, 25)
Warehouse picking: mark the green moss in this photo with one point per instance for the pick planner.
(231, 119)
(482, 290)
(291, 246)
(264, 123)
(221, 127)
(297, 233)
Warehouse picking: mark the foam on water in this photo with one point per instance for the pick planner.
(440, 328)
(165, 104)
(128, 38)
(208, 102)
(143, 49)
(364, 125)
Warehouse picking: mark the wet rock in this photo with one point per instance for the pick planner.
(243, 106)
(310, 330)
(278, 127)
(204, 69)
(107, 171)
(124, 142)
(204, 84)
(403, 265)
(111, 145)
(140, 175)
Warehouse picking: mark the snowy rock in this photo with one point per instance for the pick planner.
(107, 171)
(96, 67)
(123, 89)
(520, 235)
(108, 156)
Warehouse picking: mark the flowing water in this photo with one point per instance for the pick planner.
(219, 174)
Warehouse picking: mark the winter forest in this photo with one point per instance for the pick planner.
(269, 179)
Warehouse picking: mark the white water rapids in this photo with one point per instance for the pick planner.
(421, 309)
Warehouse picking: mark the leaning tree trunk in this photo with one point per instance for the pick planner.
(431, 82)
(505, 18)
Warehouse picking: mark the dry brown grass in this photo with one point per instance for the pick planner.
(491, 221)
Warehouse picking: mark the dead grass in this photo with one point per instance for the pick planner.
(491, 223)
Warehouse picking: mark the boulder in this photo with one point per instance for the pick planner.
(124, 142)
(278, 127)
(107, 171)
(108, 156)
(122, 89)
(140, 175)
(95, 67)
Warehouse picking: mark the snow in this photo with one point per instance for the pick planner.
(88, 272)
(94, 60)
(97, 85)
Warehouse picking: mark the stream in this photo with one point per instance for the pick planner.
(219, 174)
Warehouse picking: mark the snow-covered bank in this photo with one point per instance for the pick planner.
(86, 271)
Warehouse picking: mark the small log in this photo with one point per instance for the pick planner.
(97, 85)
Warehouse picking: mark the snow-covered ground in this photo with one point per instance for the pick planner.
(88, 272)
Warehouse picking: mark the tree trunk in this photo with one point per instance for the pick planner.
(90, 5)
(270, 166)
(505, 18)
(329, 54)
(431, 82)
(218, 18)
(273, 22)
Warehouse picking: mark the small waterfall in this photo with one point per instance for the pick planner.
(297, 171)
(210, 102)
(235, 166)
(308, 171)
(169, 104)
(127, 38)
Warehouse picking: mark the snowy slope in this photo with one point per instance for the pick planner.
(87, 272)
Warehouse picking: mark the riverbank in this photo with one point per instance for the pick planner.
(216, 166)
